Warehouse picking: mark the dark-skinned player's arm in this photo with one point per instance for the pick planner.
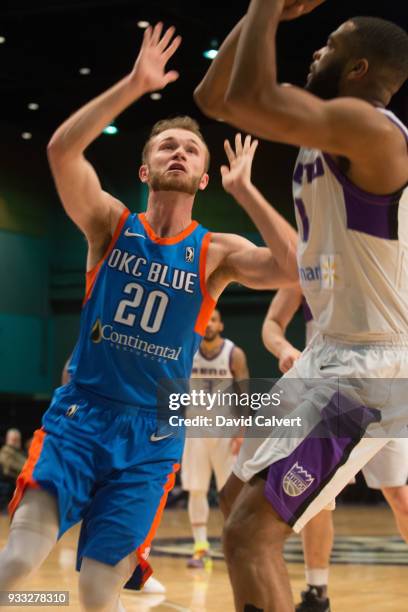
(280, 313)
(210, 93)
(348, 127)
(258, 267)
(93, 210)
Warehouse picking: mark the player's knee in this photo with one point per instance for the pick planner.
(92, 596)
(233, 538)
(398, 498)
(17, 566)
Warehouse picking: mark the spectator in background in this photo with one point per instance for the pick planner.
(12, 459)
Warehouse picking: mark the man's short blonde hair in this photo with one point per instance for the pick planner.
(182, 122)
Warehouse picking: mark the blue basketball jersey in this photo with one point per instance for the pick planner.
(145, 311)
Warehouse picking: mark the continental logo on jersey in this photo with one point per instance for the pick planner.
(189, 257)
(297, 480)
(133, 344)
(96, 332)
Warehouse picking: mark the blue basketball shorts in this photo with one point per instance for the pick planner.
(108, 467)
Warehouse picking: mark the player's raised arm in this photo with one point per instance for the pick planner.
(278, 234)
(92, 209)
(210, 93)
(280, 313)
(346, 67)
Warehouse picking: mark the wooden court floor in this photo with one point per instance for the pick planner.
(370, 573)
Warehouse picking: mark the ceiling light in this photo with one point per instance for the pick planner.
(156, 95)
(143, 24)
(2, 39)
(110, 129)
(33, 106)
(84, 70)
(210, 54)
(26, 135)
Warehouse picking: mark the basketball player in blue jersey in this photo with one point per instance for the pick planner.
(351, 202)
(386, 471)
(152, 282)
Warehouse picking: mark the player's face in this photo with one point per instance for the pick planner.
(214, 326)
(330, 64)
(176, 162)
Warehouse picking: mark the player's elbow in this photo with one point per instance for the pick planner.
(208, 103)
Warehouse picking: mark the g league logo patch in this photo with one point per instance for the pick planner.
(296, 480)
(189, 254)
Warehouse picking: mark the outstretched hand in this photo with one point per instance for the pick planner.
(149, 70)
(296, 8)
(237, 175)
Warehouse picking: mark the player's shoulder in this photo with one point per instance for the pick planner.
(229, 242)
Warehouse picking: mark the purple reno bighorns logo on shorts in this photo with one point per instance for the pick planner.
(296, 480)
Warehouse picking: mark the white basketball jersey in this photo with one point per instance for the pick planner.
(352, 251)
(218, 366)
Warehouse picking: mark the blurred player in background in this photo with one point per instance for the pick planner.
(217, 360)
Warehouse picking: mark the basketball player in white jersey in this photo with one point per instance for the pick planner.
(217, 361)
(352, 215)
(387, 470)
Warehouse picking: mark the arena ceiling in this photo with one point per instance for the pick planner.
(47, 43)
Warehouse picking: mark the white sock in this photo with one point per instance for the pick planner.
(200, 534)
(317, 577)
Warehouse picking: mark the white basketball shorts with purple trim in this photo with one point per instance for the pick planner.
(348, 401)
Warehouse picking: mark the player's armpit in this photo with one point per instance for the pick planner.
(93, 210)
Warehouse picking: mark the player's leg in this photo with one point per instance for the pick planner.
(317, 538)
(33, 534)
(299, 486)
(100, 584)
(229, 493)
(195, 478)
(397, 497)
(254, 536)
(388, 471)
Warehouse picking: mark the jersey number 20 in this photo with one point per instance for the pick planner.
(153, 310)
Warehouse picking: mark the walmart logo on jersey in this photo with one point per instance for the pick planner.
(323, 272)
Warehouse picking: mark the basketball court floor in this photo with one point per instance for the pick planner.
(369, 571)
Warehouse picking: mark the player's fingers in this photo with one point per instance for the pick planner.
(171, 49)
(228, 150)
(171, 76)
(147, 35)
(157, 30)
(253, 148)
(238, 144)
(224, 170)
(166, 38)
(247, 143)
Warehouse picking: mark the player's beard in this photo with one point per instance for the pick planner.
(174, 182)
(210, 335)
(325, 83)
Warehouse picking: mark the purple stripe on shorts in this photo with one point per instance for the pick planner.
(366, 212)
(294, 482)
(307, 313)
